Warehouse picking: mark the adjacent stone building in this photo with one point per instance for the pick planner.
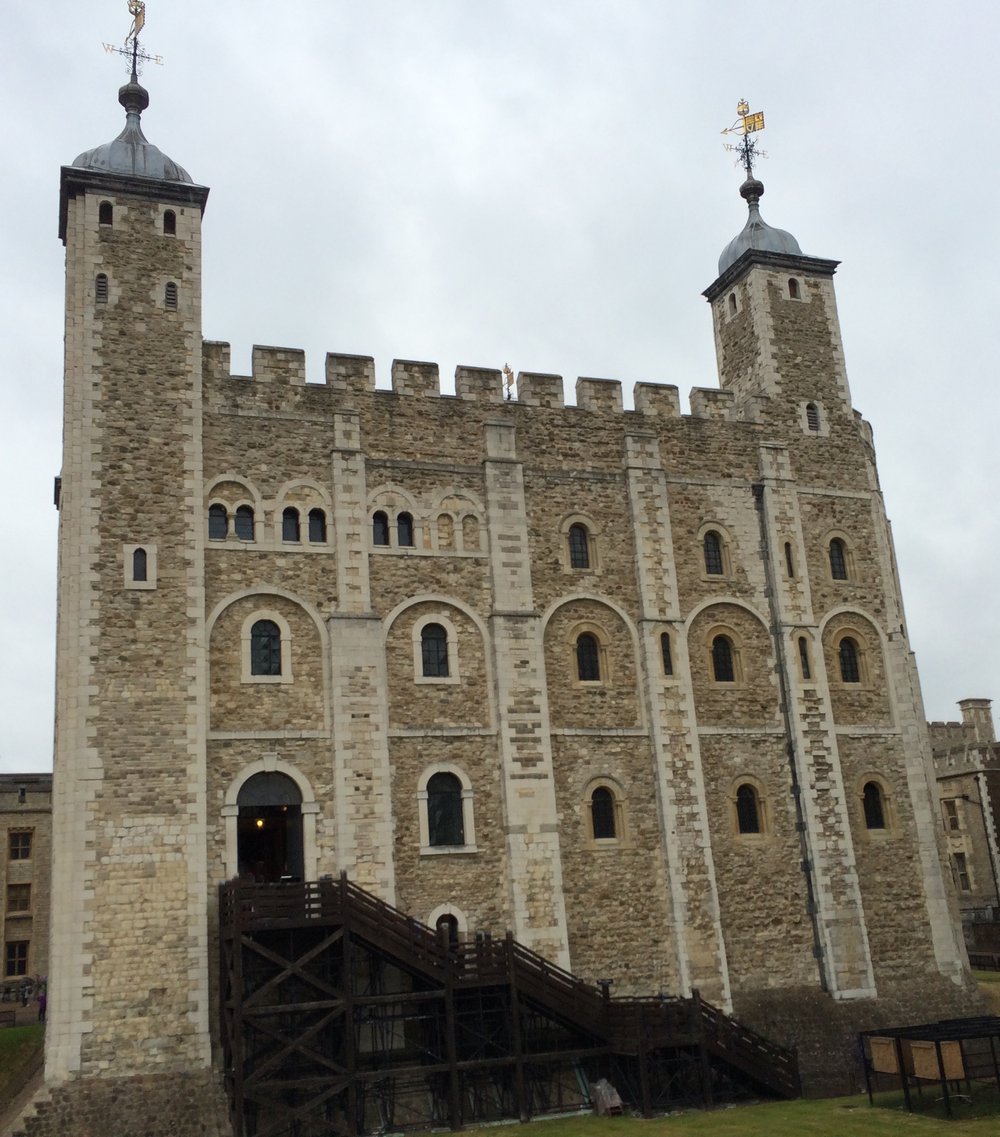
(25, 876)
(635, 684)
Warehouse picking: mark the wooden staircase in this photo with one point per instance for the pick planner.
(538, 1017)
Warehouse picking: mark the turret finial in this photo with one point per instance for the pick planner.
(746, 124)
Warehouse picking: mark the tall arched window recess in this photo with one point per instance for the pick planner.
(445, 821)
(602, 814)
(714, 560)
(170, 294)
(793, 288)
(404, 530)
(218, 522)
(723, 660)
(812, 417)
(874, 806)
(434, 651)
(317, 527)
(579, 546)
(265, 648)
(139, 565)
(290, 524)
(588, 658)
(380, 528)
(170, 223)
(244, 522)
(804, 665)
(105, 213)
(666, 655)
(101, 288)
(748, 809)
(838, 559)
(849, 658)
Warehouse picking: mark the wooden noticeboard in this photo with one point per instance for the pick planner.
(925, 1061)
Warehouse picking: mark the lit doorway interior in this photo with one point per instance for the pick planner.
(269, 829)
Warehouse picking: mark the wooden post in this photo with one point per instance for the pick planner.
(523, 1106)
(347, 997)
(904, 1081)
(944, 1079)
(451, 1048)
(647, 1109)
(704, 1065)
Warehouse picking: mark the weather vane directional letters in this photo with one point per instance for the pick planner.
(132, 52)
(748, 123)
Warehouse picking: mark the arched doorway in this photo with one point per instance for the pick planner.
(269, 828)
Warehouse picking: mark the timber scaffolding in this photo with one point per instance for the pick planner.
(342, 1015)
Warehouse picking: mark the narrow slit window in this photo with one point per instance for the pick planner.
(747, 809)
(170, 294)
(804, 658)
(244, 523)
(290, 524)
(666, 655)
(588, 660)
(789, 563)
(602, 814)
(713, 553)
(265, 648)
(105, 213)
(218, 523)
(101, 288)
(793, 288)
(579, 547)
(732, 303)
(812, 417)
(380, 528)
(434, 651)
(139, 564)
(874, 806)
(404, 529)
(317, 526)
(723, 664)
(850, 664)
(170, 223)
(838, 559)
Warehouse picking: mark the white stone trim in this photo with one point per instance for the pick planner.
(451, 640)
(468, 814)
(127, 554)
(246, 674)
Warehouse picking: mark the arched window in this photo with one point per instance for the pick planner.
(804, 658)
(713, 553)
(793, 288)
(139, 564)
(269, 829)
(732, 303)
(723, 663)
(404, 529)
(602, 814)
(445, 823)
(317, 526)
(101, 288)
(218, 522)
(434, 652)
(170, 294)
(588, 658)
(812, 416)
(789, 563)
(446, 927)
(170, 223)
(850, 663)
(665, 654)
(244, 523)
(290, 524)
(105, 213)
(747, 809)
(838, 559)
(265, 648)
(874, 806)
(380, 528)
(579, 547)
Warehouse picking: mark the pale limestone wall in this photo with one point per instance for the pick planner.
(26, 807)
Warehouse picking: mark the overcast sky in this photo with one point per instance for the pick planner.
(540, 183)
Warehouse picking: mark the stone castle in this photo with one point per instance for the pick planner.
(634, 684)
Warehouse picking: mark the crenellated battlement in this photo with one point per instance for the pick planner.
(355, 374)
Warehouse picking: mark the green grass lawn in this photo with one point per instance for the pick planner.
(19, 1046)
(989, 984)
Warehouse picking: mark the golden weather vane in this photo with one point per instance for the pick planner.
(748, 122)
(508, 381)
(132, 51)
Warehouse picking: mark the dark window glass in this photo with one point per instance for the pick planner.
(445, 825)
(290, 524)
(804, 658)
(602, 813)
(874, 806)
(20, 845)
(16, 957)
(447, 928)
(244, 523)
(789, 563)
(218, 522)
(747, 809)
(812, 416)
(722, 660)
(170, 223)
(850, 668)
(668, 662)
(434, 651)
(105, 213)
(588, 662)
(380, 529)
(793, 288)
(101, 288)
(265, 648)
(18, 897)
(962, 872)
(404, 529)
(317, 526)
(139, 561)
(579, 547)
(838, 559)
(713, 553)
